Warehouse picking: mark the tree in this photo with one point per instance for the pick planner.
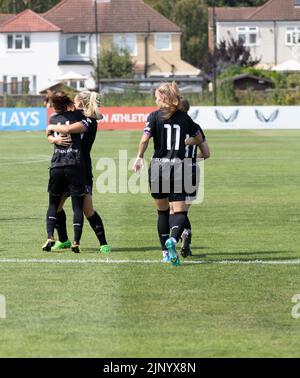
(239, 3)
(11, 6)
(191, 17)
(229, 53)
(114, 63)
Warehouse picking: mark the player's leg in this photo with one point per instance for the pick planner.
(162, 205)
(63, 241)
(51, 219)
(76, 188)
(186, 238)
(186, 235)
(95, 222)
(56, 187)
(77, 206)
(179, 220)
(192, 192)
(163, 227)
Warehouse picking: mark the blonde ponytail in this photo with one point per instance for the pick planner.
(91, 103)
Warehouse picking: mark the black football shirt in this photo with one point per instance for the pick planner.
(169, 135)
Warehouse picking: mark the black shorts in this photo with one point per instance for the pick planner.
(66, 181)
(177, 181)
(88, 187)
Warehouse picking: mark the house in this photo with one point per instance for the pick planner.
(271, 31)
(61, 45)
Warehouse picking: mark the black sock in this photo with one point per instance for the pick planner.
(97, 225)
(51, 218)
(77, 205)
(163, 227)
(61, 226)
(179, 221)
(188, 223)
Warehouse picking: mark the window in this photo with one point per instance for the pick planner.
(163, 42)
(18, 41)
(292, 36)
(248, 35)
(126, 42)
(25, 84)
(77, 45)
(16, 85)
(77, 84)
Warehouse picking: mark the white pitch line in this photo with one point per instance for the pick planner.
(186, 262)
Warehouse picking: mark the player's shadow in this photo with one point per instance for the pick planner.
(246, 253)
(141, 249)
(259, 257)
(129, 249)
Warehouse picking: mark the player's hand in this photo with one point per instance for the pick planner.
(138, 165)
(62, 140)
(48, 132)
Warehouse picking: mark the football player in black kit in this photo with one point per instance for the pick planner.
(87, 104)
(169, 127)
(191, 153)
(66, 173)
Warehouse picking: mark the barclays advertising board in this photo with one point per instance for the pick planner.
(133, 118)
(23, 119)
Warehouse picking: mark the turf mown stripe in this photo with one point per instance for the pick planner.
(112, 261)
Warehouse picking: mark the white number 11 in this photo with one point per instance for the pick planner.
(169, 136)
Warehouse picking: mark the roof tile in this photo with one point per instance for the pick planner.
(273, 10)
(27, 21)
(116, 16)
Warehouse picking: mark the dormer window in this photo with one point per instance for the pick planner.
(18, 41)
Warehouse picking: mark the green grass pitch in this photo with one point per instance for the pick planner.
(251, 212)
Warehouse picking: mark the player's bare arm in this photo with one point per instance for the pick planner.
(74, 128)
(143, 145)
(203, 146)
(60, 140)
(204, 151)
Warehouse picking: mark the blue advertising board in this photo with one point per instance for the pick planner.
(23, 119)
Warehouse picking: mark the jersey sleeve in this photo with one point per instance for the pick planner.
(86, 121)
(196, 130)
(150, 125)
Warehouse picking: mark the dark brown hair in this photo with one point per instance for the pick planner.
(185, 105)
(60, 102)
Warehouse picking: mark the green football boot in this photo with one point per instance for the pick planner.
(58, 246)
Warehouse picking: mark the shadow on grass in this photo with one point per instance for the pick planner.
(247, 253)
(136, 249)
(269, 258)
(127, 249)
